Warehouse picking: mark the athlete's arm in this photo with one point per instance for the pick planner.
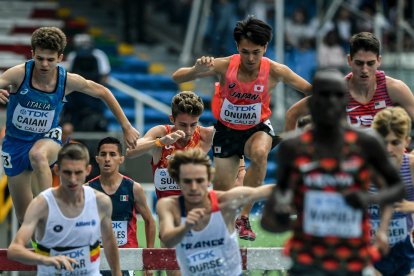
(281, 72)
(278, 208)
(12, 77)
(77, 83)
(108, 239)
(147, 144)
(401, 94)
(204, 66)
(142, 208)
(393, 189)
(295, 112)
(171, 234)
(17, 250)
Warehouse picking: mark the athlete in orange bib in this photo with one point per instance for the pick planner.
(241, 107)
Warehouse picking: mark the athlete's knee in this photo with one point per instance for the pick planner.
(38, 158)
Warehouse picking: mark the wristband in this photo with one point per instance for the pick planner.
(158, 143)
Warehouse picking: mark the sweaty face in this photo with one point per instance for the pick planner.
(396, 147)
(72, 173)
(109, 158)
(186, 123)
(363, 66)
(45, 60)
(250, 54)
(194, 182)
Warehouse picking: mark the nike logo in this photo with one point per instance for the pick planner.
(352, 108)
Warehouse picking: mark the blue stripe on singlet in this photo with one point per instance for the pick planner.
(405, 173)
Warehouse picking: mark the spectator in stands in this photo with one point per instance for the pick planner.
(299, 29)
(93, 64)
(330, 53)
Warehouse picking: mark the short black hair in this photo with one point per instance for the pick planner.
(254, 30)
(110, 140)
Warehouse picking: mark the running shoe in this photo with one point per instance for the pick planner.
(244, 229)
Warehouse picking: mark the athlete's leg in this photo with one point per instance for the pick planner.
(256, 149)
(225, 174)
(42, 155)
(21, 193)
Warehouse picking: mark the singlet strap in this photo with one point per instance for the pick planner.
(182, 206)
(214, 201)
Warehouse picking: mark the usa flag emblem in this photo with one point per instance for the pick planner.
(380, 104)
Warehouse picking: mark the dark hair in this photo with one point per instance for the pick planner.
(49, 38)
(364, 41)
(187, 102)
(254, 30)
(73, 151)
(191, 156)
(110, 140)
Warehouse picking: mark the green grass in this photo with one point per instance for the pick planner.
(263, 239)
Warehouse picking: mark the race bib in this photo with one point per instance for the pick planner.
(241, 114)
(163, 181)
(327, 214)
(120, 229)
(82, 256)
(206, 262)
(32, 120)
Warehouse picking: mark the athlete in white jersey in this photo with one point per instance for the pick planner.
(199, 223)
(67, 222)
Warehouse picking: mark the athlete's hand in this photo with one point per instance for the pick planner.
(381, 242)
(60, 262)
(131, 136)
(357, 199)
(173, 137)
(4, 96)
(404, 206)
(194, 216)
(204, 64)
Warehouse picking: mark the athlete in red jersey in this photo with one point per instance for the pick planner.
(163, 140)
(241, 106)
(323, 175)
(127, 197)
(369, 89)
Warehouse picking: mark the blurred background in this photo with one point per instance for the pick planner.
(133, 46)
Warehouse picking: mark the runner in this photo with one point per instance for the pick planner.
(369, 90)
(127, 196)
(323, 176)
(66, 220)
(200, 223)
(394, 125)
(241, 104)
(35, 96)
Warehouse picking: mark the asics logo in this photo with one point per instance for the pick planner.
(352, 108)
(24, 91)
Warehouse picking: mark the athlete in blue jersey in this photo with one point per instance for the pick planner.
(35, 92)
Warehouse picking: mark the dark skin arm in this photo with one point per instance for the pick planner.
(296, 111)
(278, 207)
(394, 189)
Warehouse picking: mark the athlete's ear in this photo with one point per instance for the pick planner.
(349, 59)
(88, 169)
(379, 59)
(407, 142)
(172, 120)
(56, 169)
